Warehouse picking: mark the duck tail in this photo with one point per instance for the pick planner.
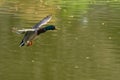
(22, 43)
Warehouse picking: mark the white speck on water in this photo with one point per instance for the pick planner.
(87, 57)
(76, 38)
(85, 20)
(33, 60)
(71, 16)
(76, 66)
(103, 23)
(109, 37)
(69, 21)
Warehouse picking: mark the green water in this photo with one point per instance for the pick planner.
(86, 45)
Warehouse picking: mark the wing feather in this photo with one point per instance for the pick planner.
(43, 22)
(22, 31)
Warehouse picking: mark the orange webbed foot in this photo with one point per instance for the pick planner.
(29, 43)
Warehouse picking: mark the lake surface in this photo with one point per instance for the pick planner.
(85, 46)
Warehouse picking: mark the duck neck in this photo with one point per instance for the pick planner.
(48, 28)
(42, 30)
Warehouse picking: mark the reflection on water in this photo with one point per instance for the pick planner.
(85, 47)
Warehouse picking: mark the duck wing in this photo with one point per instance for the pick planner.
(24, 31)
(21, 31)
(42, 22)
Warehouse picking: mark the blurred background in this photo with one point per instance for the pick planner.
(85, 47)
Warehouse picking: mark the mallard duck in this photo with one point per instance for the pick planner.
(30, 34)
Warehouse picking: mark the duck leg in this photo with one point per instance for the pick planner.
(29, 43)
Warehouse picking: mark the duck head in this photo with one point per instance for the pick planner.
(50, 27)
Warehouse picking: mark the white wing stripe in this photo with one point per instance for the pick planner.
(25, 30)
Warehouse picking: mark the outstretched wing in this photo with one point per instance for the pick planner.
(42, 22)
(22, 31)
(36, 27)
